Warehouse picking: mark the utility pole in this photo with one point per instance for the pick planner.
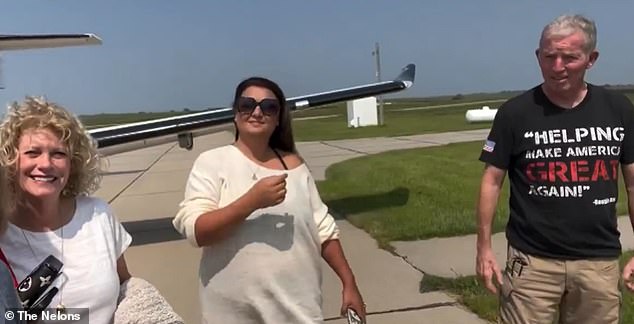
(377, 56)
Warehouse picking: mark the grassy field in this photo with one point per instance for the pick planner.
(414, 194)
(397, 122)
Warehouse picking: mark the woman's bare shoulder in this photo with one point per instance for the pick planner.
(291, 159)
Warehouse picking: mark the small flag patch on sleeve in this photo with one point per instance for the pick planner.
(489, 146)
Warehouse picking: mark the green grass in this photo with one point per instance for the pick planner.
(471, 292)
(396, 123)
(468, 290)
(414, 194)
(410, 194)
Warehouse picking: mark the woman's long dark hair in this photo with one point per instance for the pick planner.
(282, 137)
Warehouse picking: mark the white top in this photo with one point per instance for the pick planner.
(268, 270)
(93, 241)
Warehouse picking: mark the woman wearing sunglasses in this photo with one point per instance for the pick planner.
(254, 209)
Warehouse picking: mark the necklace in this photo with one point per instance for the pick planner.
(254, 176)
(254, 166)
(60, 307)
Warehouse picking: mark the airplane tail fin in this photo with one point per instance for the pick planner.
(407, 75)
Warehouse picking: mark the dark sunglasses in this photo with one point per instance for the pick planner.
(267, 106)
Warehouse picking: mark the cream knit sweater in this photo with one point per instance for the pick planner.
(268, 270)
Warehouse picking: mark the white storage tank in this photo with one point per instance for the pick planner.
(486, 114)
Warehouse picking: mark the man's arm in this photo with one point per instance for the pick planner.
(490, 188)
(628, 176)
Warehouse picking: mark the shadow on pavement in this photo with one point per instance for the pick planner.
(152, 231)
(359, 204)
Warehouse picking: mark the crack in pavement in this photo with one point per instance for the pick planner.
(433, 143)
(344, 148)
(141, 173)
(420, 141)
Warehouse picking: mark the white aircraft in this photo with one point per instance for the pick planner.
(24, 42)
(184, 128)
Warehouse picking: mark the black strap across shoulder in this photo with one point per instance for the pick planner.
(280, 158)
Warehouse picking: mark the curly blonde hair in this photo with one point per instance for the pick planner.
(38, 113)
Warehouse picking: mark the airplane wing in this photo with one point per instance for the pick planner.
(186, 124)
(22, 42)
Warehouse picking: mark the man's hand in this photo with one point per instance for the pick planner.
(628, 275)
(487, 267)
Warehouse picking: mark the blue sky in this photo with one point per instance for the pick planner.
(159, 55)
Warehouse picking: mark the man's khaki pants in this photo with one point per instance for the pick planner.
(538, 290)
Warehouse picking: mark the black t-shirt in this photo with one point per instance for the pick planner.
(563, 166)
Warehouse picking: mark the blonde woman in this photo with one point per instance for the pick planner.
(52, 167)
